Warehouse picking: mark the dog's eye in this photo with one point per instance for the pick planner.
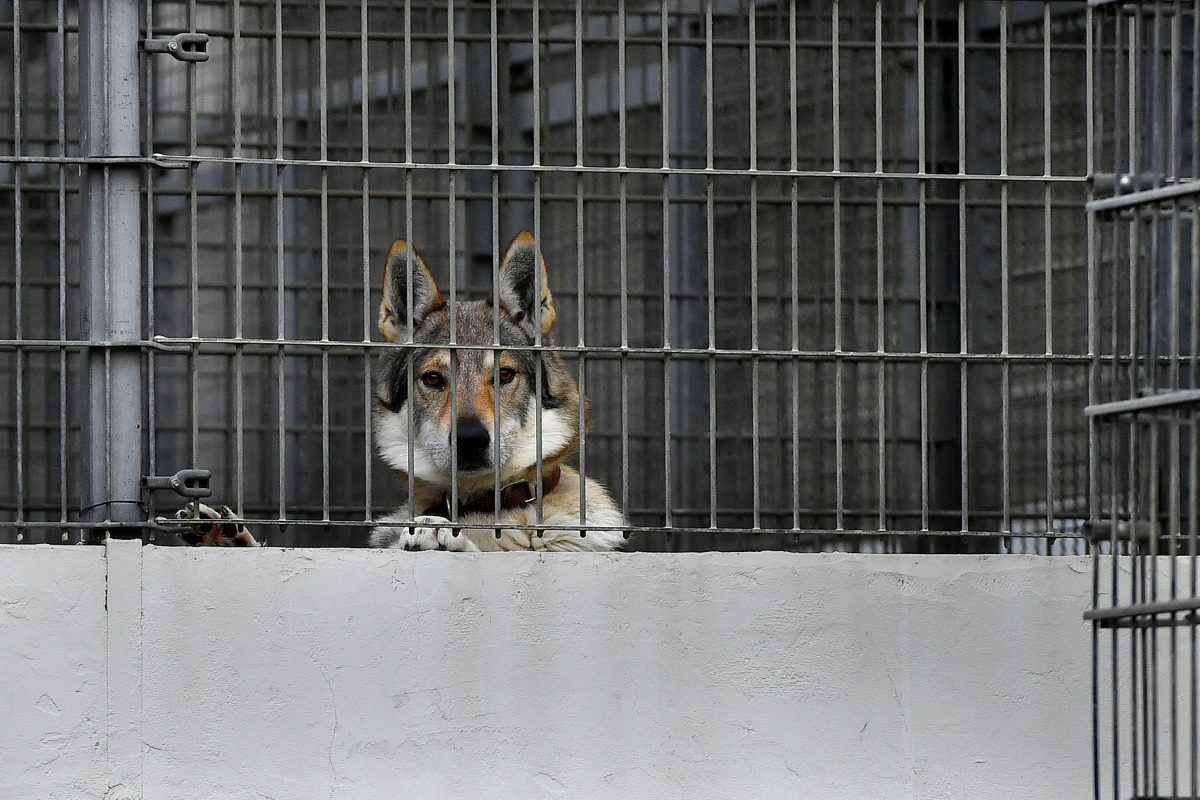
(506, 375)
(433, 380)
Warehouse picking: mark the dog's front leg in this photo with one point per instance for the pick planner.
(428, 533)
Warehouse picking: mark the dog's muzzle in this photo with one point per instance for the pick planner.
(474, 442)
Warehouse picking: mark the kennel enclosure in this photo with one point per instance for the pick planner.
(818, 266)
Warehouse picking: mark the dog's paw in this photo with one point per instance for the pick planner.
(206, 529)
(427, 534)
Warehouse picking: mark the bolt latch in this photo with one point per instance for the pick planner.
(185, 483)
(191, 47)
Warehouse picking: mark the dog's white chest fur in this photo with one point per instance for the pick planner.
(562, 507)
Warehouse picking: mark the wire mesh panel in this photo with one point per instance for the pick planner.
(818, 267)
(40, 413)
(1145, 408)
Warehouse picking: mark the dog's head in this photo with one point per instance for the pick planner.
(488, 398)
(206, 528)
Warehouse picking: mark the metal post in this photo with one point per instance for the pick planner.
(111, 259)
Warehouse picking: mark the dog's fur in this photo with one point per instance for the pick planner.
(415, 411)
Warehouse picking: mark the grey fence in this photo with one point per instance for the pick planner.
(1143, 251)
(821, 267)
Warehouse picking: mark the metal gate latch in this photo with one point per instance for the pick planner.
(183, 46)
(185, 483)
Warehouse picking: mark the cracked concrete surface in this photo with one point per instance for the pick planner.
(329, 674)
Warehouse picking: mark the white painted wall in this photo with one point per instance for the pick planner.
(364, 674)
(53, 713)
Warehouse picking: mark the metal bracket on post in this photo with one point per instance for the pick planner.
(191, 47)
(191, 483)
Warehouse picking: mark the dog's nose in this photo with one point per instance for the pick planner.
(473, 441)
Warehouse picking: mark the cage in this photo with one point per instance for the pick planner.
(1142, 259)
(817, 266)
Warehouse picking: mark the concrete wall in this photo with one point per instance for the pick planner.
(361, 674)
(53, 707)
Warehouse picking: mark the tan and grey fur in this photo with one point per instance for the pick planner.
(497, 427)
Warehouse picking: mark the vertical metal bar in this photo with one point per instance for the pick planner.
(408, 255)
(537, 242)
(794, 270)
(710, 258)
(238, 241)
(624, 250)
(18, 287)
(1006, 367)
(323, 88)
(880, 307)
(368, 394)
(1194, 454)
(922, 251)
(278, 79)
(754, 363)
(452, 255)
(151, 365)
(1175, 308)
(1114, 292)
(494, 53)
(621, 88)
(580, 285)
(839, 464)
(580, 109)
(665, 104)
(1091, 101)
(193, 257)
(364, 111)
(62, 275)
(111, 257)
(280, 304)
(1047, 247)
(963, 305)
(1137, 586)
(1154, 325)
(1174, 495)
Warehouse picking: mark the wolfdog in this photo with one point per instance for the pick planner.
(497, 399)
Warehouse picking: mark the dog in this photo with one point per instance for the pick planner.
(494, 431)
(498, 396)
(205, 531)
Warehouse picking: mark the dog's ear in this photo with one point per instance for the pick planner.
(522, 276)
(394, 321)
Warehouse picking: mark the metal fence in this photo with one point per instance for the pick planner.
(821, 267)
(1145, 394)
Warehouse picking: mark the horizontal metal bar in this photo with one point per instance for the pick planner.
(1145, 197)
(218, 345)
(1144, 609)
(168, 159)
(74, 525)
(376, 34)
(1165, 400)
(890, 201)
(171, 343)
(177, 345)
(52, 505)
(165, 162)
(171, 523)
(1186, 621)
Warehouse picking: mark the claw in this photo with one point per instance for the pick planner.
(204, 533)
